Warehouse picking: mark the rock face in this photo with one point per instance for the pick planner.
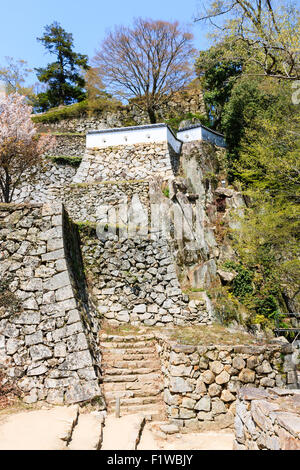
(47, 340)
(202, 383)
(203, 246)
(267, 420)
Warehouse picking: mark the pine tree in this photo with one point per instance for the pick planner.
(64, 78)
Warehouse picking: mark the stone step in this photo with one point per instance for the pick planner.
(120, 378)
(129, 352)
(127, 338)
(128, 371)
(136, 400)
(39, 429)
(128, 345)
(147, 378)
(156, 410)
(87, 434)
(107, 364)
(115, 356)
(132, 386)
(122, 433)
(113, 394)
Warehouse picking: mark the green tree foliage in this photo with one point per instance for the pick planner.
(268, 28)
(250, 97)
(261, 123)
(217, 74)
(269, 170)
(64, 77)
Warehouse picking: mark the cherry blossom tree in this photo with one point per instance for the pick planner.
(21, 147)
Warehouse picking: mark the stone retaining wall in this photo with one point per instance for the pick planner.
(127, 162)
(182, 103)
(267, 419)
(39, 190)
(202, 382)
(134, 280)
(47, 327)
(71, 145)
(94, 202)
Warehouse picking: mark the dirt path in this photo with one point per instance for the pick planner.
(153, 440)
(63, 428)
(38, 430)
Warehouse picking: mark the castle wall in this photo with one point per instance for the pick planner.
(154, 133)
(47, 325)
(71, 145)
(202, 382)
(200, 132)
(189, 101)
(133, 277)
(127, 162)
(93, 202)
(40, 188)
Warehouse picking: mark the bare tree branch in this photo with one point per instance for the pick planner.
(149, 61)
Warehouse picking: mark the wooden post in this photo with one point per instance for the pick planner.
(118, 407)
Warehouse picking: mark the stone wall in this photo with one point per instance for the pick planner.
(202, 382)
(94, 202)
(71, 145)
(47, 326)
(181, 104)
(139, 161)
(39, 189)
(267, 419)
(134, 280)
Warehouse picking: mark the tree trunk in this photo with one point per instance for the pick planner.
(152, 116)
(6, 187)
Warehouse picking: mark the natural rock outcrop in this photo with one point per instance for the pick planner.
(267, 419)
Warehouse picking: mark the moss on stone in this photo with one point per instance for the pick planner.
(65, 160)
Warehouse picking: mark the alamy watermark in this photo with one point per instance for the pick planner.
(178, 222)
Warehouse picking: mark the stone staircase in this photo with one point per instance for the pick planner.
(131, 371)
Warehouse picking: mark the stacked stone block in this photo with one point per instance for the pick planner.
(135, 281)
(202, 382)
(91, 202)
(45, 342)
(50, 175)
(131, 162)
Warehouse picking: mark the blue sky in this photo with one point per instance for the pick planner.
(88, 21)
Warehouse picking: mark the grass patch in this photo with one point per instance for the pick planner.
(85, 224)
(62, 112)
(83, 108)
(191, 335)
(63, 134)
(193, 289)
(210, 335)
(120, 330)
(112, 182)
(65, 160)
